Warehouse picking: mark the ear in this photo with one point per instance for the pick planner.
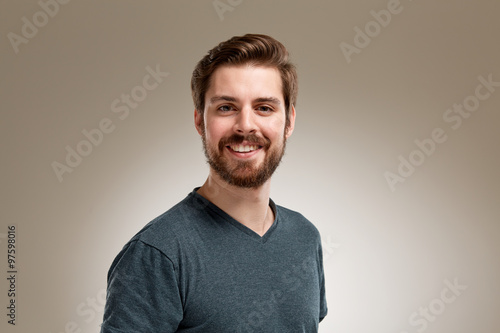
(289, 129)
(198, 121)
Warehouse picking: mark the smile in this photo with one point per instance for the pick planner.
(244, 148)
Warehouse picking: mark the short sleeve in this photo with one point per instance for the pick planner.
(323, 306)
(143, 293)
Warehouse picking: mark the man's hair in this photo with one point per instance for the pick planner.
(250, 49)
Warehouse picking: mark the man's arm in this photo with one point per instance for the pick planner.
(143, 293)
(323, 305)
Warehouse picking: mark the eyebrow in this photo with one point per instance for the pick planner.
(222, 98)
(272, 100)
(225, 98)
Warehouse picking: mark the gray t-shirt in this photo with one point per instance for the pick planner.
(196, 269)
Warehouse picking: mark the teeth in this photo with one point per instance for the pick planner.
(243, 149)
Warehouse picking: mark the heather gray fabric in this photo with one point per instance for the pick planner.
(196, 269)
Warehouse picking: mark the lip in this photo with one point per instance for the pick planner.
(246, 143)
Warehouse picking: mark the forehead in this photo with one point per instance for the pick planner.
(246, 81)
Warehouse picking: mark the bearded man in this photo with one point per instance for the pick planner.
(227, 258)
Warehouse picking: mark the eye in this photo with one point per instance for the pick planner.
(264, 109)
(225, 108)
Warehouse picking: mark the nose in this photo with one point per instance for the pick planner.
(245, 122)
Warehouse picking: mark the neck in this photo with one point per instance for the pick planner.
(249, 206)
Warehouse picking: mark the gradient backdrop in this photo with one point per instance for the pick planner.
(395, 155)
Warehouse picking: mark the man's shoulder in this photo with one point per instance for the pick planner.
(166, 236)
(287, 212)
(297, 222)
(176, 223)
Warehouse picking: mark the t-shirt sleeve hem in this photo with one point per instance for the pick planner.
(322, 316)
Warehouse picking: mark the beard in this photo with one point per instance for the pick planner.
(244, 173)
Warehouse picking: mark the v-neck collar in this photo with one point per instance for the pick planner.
(241, 227)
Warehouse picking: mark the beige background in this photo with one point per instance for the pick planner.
(387, 253)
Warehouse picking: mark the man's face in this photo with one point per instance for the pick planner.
(243, 126)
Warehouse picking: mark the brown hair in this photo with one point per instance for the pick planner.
(251, 49)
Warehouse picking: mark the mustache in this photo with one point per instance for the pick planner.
(237, 139)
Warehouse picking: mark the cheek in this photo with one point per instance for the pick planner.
(215, 130)
(274, 129)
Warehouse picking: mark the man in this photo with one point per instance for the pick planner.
(226, 258)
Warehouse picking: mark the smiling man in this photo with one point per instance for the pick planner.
(227, 258)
